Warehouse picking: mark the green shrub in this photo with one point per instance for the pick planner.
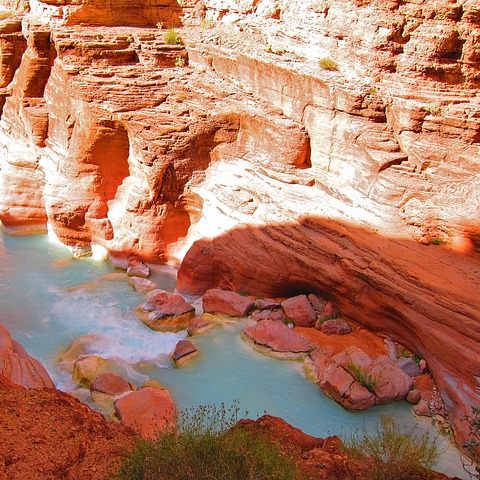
(179, 62)
(393, 453)
(328, 64)
(172, 37)
(436, 241)
(206, 447)
(362, 377)
(159, 25)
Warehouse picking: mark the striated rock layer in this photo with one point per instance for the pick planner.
(288, 147)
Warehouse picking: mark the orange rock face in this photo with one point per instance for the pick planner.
(18, 367)
(288, 147)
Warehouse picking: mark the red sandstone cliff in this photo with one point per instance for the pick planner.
(343, 175)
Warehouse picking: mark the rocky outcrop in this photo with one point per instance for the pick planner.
(310, 146)
(47, 433)
(18, 367)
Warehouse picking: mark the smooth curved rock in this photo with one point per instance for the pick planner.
(148, 411)
(225, 302)
(277, 337)
(18, 366)
(409, 366)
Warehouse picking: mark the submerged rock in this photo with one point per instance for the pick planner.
(227, 303)
(278, 338)
(148, 411)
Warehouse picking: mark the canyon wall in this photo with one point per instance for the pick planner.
(329, 146)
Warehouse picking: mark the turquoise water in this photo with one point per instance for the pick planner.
(47, 299)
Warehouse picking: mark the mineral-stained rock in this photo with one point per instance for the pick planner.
(87, 369)
(228, 303)
(300, 311)
(18, 366)
(335, 326)
(277, 337)
(148, 411)
(184, 350)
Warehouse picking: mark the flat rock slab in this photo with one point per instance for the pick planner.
(226, 302)
(300, 311)
(148, 411)
(277, 315)
(277, 337)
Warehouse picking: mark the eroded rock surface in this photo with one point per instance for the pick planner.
(18, 367)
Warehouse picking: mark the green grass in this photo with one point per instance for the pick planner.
(206, 447)
(436, 241)
(362, 377)
(172, 37)
(328, 64)
(393, 452)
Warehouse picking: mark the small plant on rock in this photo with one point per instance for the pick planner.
(432, 109)
(172, 37)
(328, 64)
(159, 25)
(436, 241)
(362, 376)
(179, 62)
(393, 453)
